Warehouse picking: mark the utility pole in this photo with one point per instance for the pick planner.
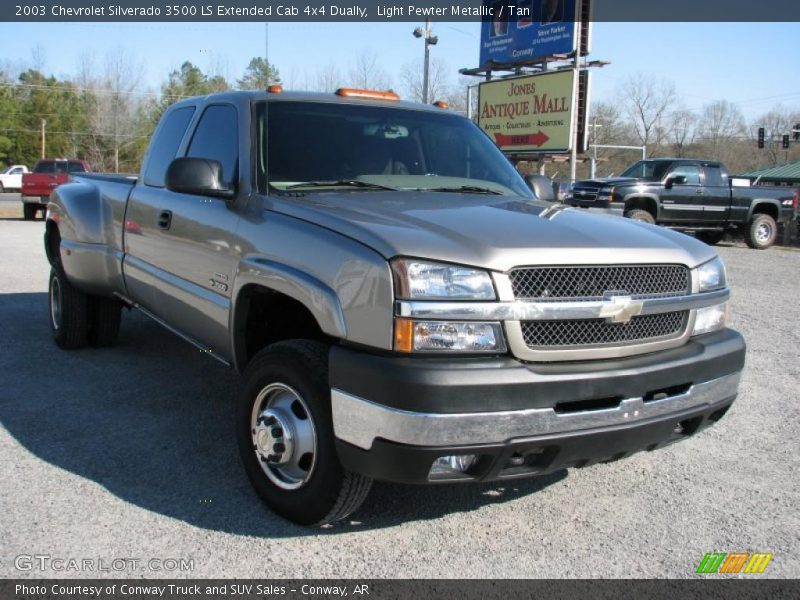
(573, 156)
(43, 123)
(266, 45)
(430, 40)
(593, 163)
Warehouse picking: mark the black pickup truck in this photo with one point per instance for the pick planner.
(691, 195)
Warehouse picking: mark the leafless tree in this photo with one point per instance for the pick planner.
(367, 73)
(720, 126)
(646, 102)
(439, 83)
(682, 130)
(111, 105)
(328, 78)
(777, 122)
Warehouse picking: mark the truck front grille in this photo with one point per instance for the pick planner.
(585, 194)
(590, 283)
(551, 335)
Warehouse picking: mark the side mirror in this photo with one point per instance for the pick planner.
(541, 186)
(675, 180)
(198, 176)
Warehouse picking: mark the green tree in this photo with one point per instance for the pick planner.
(258, 75)
(185, 82)
(9, 113)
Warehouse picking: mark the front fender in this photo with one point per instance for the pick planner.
(634, 195)
(315, 295)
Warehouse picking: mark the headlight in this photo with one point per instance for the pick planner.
(417, 279)
(447, 336)
(712, 275)
(711, 318)
(606, 193)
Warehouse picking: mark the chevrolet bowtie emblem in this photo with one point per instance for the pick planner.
(620, 309)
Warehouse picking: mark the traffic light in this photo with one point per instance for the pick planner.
(760, 137)
(796, 132)
(786, 141)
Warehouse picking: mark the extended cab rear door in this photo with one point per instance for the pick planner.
(717, 195)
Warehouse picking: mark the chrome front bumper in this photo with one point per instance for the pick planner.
(360, 422)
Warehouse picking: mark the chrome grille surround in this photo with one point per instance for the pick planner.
(586, 194)
(595, 338)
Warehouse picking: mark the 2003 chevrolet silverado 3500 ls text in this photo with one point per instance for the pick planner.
(398, 305)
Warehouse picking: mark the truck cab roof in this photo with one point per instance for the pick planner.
(254, 96)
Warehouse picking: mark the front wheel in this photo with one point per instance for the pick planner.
(285, 434)
(761, 232)
(637, 214)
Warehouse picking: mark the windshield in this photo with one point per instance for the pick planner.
(346, 145)
(648, 170)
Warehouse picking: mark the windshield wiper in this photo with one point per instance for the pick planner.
(356, 183)
(463, 189)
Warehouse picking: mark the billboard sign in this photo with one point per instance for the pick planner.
(516, 31)
(532, 114)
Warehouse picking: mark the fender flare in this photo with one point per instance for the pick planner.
(760, 202)
(649, 197)
(315, 295)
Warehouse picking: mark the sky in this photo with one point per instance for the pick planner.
(752, 64)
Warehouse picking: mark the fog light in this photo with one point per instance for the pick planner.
(711, 318)
(446, 466)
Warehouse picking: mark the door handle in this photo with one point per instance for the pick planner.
(164, 219)
(699, 192)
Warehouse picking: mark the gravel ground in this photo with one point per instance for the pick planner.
(129, 453)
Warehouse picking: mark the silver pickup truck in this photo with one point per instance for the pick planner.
(399, 307)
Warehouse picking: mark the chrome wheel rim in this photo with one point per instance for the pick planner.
(763, 232)
(283, 436)
(55, 303)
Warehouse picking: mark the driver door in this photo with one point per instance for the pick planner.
(185, 246)
(683, 202)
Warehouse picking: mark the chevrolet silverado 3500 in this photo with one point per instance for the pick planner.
(398, 305)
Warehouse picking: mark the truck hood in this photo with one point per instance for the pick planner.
(492, 232)
(604, 181)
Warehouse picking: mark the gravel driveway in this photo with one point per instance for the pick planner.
(129, 453)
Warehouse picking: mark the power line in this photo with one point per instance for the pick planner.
(64, 87)
(83, 133)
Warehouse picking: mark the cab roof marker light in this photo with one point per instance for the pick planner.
(368, 94)
(441, 104)
(275, 88)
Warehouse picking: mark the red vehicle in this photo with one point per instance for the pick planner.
(47, 174)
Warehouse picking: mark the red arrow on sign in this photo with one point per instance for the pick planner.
(530, 139)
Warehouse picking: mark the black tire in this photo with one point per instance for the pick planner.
(330, 493)
(2, 188)
(761, 232)
(28, 211)
(637, 214)
(712, 238)
(68, 312)
(103, 320)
